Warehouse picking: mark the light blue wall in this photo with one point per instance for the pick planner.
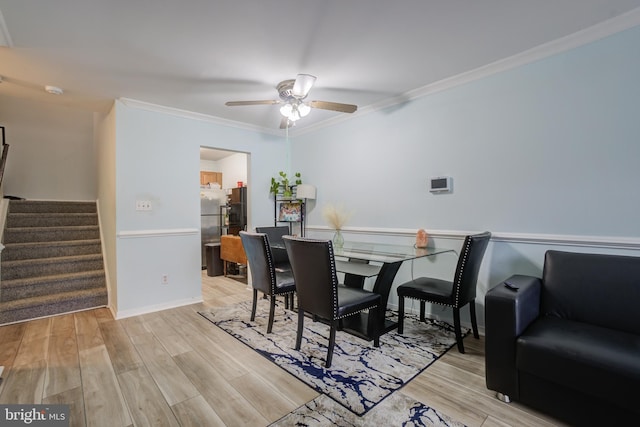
(158, 159)
(543, 155)
(537, 153)
(551, 147)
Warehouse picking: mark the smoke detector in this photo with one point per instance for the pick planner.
(53, 90)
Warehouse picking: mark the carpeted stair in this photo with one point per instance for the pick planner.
(52, 260)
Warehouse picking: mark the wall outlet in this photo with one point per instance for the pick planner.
(164, 279)
(143, 205)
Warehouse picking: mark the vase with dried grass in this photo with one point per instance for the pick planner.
(336, 216)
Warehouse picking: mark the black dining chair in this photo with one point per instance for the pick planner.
(455, 294)
(264, 276)
(319, 292)
(274, 237)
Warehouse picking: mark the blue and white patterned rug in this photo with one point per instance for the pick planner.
(361, 375)
(396, 410)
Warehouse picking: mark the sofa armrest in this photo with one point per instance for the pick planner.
(507, 314)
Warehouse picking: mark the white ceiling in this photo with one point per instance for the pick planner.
(213, 154)
(195, 55)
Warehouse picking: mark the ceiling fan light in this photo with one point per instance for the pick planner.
(294, 116)
(286, 109)
(303, 84)
(291, 112)
(303, 109)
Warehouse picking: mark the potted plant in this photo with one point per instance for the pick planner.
(284, 182)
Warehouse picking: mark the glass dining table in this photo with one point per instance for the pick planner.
(354, 258)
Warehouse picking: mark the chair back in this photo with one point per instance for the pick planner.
(466, 277)
(260, 261)
(314, 271)
(274, 235)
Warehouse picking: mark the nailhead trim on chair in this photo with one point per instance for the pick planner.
(463, 262)
(272, 268)
(359, 311)
(335, 287)
(270, 262)
(334, 282)
(431, 302)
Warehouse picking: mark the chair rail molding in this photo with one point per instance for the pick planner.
(612, 242)
(134, 234)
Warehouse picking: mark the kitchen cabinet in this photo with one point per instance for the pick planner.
(207, 177)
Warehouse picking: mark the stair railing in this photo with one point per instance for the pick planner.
(3, 205)
(3, 160)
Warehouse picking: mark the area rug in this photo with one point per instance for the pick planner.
(396, 410)
(361, 375)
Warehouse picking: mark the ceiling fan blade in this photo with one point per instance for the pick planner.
(334, 106)
(239, 103)
(284, 123)
(303, 85)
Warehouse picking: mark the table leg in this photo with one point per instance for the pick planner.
(382, 286)
(363, 325)
(352, 280)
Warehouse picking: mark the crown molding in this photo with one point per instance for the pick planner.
(580, 38)
(588, 35)
(555, 47)
(148, 106)
(5, 37)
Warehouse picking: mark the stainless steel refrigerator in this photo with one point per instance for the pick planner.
(211, 217)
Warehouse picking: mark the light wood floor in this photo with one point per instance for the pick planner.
(172, 368)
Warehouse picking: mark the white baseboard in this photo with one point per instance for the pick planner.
(157, 307)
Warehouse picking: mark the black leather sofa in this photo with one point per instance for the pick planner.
(568, 343)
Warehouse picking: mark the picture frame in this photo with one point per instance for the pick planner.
(290, 212)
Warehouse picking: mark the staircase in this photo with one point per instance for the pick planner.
(52, 260)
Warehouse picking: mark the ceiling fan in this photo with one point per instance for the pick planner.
(292, 95)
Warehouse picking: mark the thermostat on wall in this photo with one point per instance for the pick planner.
(440, 184)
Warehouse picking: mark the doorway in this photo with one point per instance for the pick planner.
(223, 175)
